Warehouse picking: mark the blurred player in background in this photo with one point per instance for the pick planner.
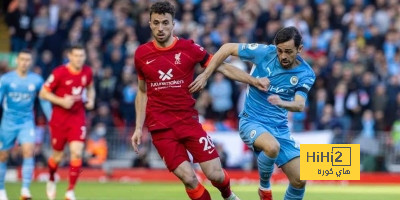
(263, 122)
(165, 69)
(64, 89)
(18, 91)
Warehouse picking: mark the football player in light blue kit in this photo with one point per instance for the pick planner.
(263, 122)
(18, 91)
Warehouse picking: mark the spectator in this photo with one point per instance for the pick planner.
(220, 92)
(96, 147)
(20, 26)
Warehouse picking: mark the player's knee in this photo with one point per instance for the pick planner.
(190, 180)
(76, 154)
(27, 153)
(57, 156)
(3, 156)
(216, 176)
(272, 149)
(297, 183)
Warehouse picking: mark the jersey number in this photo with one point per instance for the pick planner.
(83, 133)
(208, 144)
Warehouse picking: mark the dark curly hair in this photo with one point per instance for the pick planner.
(163, 7)
(287, 34)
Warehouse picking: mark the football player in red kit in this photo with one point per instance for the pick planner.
(165, 70)
(64, 89)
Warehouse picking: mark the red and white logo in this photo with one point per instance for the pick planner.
(178, 58)
(165, 76)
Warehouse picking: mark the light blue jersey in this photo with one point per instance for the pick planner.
(258, 115)
(285, 83)
(18, 95)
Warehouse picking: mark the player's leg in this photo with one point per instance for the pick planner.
(7, 139)
(75, 164)
(200, 145)
(194, 189)
(3, 170)
(26, 138)
(289, 161)
(176, 159)
(296, 188)
(58, 140)
(76, 138)
(266, 147)
(218, 177)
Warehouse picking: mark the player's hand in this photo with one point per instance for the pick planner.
(275, 100)
(67, 102)
(199, 83)
(262, 84)
(89, 105)
(136, 139)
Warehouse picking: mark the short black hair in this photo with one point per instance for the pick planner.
(287, 34)
(27, 51)
(163, 7)
(76, 46)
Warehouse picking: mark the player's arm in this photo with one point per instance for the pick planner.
(2, 88)
(236, 74)
(65, 102)
(297, 105)
(91, 95)
(46, 108)
(140, 104)
(224, 52)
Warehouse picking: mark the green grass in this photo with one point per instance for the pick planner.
(172, 191)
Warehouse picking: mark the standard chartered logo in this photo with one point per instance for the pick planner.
(165, 76)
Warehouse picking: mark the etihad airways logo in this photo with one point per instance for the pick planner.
(165, 76)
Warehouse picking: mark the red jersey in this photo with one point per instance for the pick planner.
(63, 81)
(168, 72)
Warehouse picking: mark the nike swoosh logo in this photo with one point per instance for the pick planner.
(150, 61)
(210, 152)
(68, 82)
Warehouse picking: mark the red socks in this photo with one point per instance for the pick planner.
(198, 193)
(224, 187)
(74, 171)
(52, 168)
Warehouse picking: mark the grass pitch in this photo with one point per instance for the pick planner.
(173, 191)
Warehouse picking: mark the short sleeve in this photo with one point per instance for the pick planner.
(2, 87)
(200, 54)
(305, 85)
(52, 81)
(138, 66)
(254, 52)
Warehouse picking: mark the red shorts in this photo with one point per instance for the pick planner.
(63, 134)
(172, 144)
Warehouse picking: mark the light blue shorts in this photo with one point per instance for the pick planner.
(250, 130)
(24, 133)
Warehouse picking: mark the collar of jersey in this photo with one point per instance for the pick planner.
(72, 70)
(166, 48)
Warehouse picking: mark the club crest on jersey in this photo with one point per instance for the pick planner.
(84, 80)
(165, 76)
(252, 46)
(294, 80)
(178, 58)
(252, 133)
(31, 87)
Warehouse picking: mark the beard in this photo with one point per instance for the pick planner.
(162, 38)
(287, 64)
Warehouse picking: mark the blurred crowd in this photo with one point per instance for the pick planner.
(352, 45)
